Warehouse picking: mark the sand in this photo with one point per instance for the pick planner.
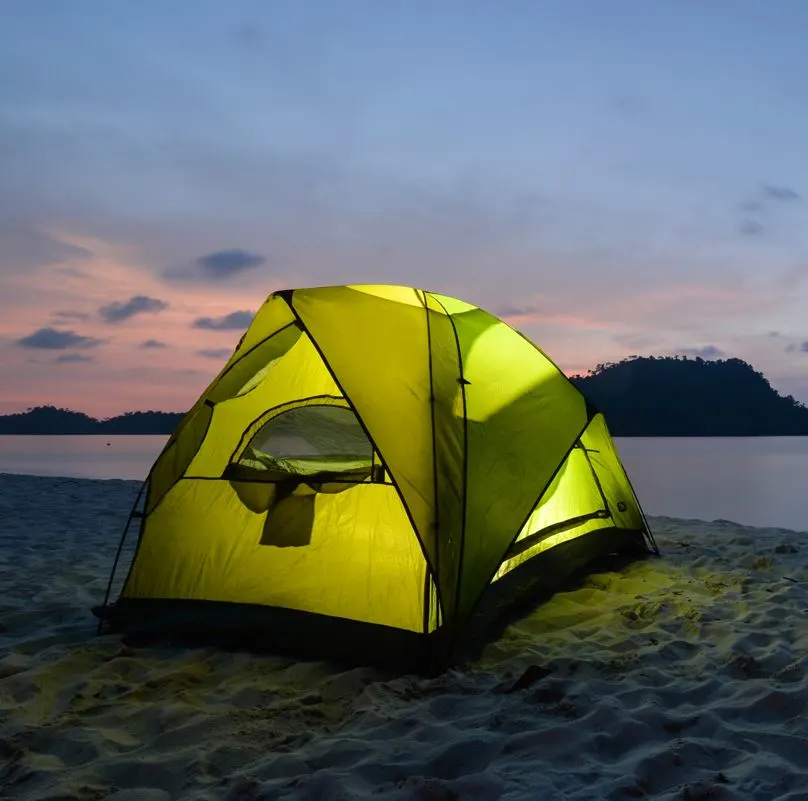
(682, 677)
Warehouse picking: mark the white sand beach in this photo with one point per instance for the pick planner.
(681, 677)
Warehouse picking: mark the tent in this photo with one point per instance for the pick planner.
(370, 465)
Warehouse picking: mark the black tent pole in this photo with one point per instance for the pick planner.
(118, 555)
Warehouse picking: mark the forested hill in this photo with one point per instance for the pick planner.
(51, 420)
(680, 397)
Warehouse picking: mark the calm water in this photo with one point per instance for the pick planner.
(755, 481)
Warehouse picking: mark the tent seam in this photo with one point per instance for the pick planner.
(434, 458)
(462, 382)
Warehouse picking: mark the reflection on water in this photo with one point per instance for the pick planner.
(756, 481)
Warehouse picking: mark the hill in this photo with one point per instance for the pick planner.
(679, 397)
(51, 420)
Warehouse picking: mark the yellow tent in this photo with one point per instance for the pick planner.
(370, 462)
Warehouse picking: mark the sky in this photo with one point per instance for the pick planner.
(612, 178)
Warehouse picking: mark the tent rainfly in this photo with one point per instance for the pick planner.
(369, 467)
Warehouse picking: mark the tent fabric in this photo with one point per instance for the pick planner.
(377, 454)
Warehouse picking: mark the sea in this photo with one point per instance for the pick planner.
(755, 481)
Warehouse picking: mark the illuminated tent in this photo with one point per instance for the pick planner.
(368, 467)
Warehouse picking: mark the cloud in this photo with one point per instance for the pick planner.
(629, 105)
(235, 321)
(751, 227)
(794, 277)
(69, 358)
(804, 346)
(139, 304)
(218, 266)
(215, 353)
(760, 204)
(152, 344)
(67, 315)
(545, 315)
(510, 311)
(783, 193)
(55, 339)
(224, 263)
(249, 35)
(26, 247)
(707, 352)
(637, 341)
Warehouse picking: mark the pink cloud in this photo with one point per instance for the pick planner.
(532, 316)
(67, 295)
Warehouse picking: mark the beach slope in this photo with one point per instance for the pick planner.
(683, 677)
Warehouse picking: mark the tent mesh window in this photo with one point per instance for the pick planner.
(312, 441)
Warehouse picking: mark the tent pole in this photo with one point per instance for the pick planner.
(132, 515)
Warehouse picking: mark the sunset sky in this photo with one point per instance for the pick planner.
(613, 177)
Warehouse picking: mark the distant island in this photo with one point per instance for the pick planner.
(51, 420)
(642, 396)
(674, 396)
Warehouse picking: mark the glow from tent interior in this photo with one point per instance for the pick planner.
(359, 539)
